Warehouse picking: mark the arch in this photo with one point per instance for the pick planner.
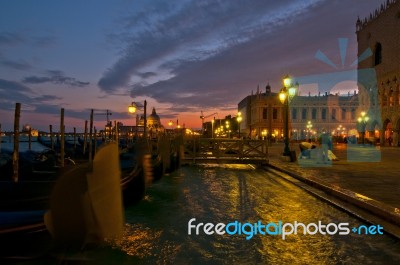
(378, 54)
(387, 132)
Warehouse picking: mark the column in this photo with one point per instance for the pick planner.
(382, 137)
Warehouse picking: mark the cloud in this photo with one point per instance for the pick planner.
(12, 92)
(43, 41)
(55, 77)
(45, 98)
(211, 55)
(10, 86)
(147, 75)
(11, 39)
(193, 31)
(17, 65)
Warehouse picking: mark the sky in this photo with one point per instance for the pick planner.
(182, 56)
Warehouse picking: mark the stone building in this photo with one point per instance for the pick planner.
(263, 116)
(153, 123)
(378, 38)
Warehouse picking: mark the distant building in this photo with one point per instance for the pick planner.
(379, 33)
(153, 123)
(26, 128)
(263, 116)
(154, 126)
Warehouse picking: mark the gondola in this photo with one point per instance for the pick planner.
(28, 199)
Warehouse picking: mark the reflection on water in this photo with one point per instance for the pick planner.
(156, 230)
(7, 144)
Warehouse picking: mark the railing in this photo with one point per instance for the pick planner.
(220, 150)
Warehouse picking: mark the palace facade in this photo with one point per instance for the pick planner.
(379, 71)
(263, 116)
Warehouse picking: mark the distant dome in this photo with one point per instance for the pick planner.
(26, 127)
(153, 117)
(153, 120)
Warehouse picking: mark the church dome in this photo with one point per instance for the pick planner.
(154, 117)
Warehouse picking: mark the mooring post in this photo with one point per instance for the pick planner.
(16, 141)
(74, 139)
(62, 146)
(91, 137)
(51, 136)
(85, 138)
(95, 141)
(30, 139)
(1, 138)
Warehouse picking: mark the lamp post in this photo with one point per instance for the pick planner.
(285, 96)
(362, 120)
(309, 127)
(264, 134)
(338, 132)
(227, 125)
(132, 109)
(239, 119)
(212, 128)
(170, 123)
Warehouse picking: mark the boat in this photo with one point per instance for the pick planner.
(30, 197)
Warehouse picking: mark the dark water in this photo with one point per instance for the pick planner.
(157, 228)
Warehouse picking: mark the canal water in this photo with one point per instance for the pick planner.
(7, 144)
(156, 230)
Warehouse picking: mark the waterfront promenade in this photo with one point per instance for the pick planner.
(377, 180)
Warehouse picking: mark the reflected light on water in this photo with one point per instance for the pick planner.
(157, 227)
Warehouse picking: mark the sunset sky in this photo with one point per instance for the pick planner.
(183, 56)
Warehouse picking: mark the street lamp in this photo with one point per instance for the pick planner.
(285, 96)
(309, 127)
(170, 123)
(227, 128)
(132, 109)
(338, 129)
(239, 119)
(362, 120)
(264, 134)
(212, 128)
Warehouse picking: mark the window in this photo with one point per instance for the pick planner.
(353, 114)
(378, 53)
(344, 114)
(275, 113)
(265, 113)
(314, 114)
(391, 98)
(333, 114)
(294, 114)
(323, 114)
(304, 114)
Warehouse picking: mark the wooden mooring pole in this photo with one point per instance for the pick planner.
(74, 139)
(62, 129)
(30, 139)
(1, 138)
(16, 141)
(91, 137)
(85, 138)
(51, 136)
(95, 141)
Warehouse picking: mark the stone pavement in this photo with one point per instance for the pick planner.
(378, 180)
